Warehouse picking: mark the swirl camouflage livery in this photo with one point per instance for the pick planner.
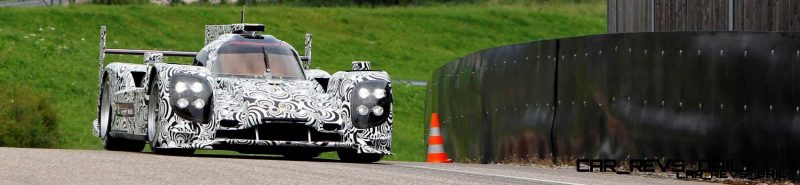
(244, 92)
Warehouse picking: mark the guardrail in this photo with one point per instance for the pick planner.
(671, 95)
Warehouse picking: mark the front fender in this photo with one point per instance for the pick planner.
(175, 131)
(377, 138)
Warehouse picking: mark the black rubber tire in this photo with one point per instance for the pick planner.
(120, 144)
(154, 90)
(117, 144)
(352, 157)
(301, 156)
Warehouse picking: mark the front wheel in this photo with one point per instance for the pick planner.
(153, 121)
(352, 157)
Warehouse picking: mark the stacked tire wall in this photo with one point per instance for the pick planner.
(669, 95)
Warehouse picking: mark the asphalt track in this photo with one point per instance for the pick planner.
(55, 166)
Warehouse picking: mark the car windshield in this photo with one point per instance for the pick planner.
(247, 59)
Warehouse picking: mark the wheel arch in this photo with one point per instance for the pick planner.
(152, 74)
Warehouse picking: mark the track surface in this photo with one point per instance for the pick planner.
(52, 166)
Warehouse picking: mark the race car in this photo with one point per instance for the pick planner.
(246, 92)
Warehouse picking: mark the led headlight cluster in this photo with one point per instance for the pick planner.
(370, 102)
(190, 97)
(196, 87)
(378, 94)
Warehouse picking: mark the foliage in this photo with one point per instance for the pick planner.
(27, 119)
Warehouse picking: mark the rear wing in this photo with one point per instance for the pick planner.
(212, 32)
(150, 56)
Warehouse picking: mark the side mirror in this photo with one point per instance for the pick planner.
(361, 66)
(153, 57)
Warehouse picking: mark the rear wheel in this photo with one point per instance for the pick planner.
(153, 127)
(106, 118)
(353, 157)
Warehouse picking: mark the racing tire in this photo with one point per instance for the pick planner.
(352, 157)
(152, 115)
(112, 143)
(119, 144)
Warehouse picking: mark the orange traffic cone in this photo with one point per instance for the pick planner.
(435, 148)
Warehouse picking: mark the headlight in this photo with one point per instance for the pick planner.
(182, 103)
(380, 93)
(190, 97)
(371, 96)
(363, 93)
(363, 110)
(199, 104)
(377, 110)
(197, 87)
(180, 87)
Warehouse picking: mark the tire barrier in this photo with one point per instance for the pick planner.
(670, 95)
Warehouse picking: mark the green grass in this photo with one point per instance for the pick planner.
(54, 51)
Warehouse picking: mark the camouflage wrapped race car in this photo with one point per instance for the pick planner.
(246, 92)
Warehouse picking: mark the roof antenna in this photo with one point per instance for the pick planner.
(243, 7)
